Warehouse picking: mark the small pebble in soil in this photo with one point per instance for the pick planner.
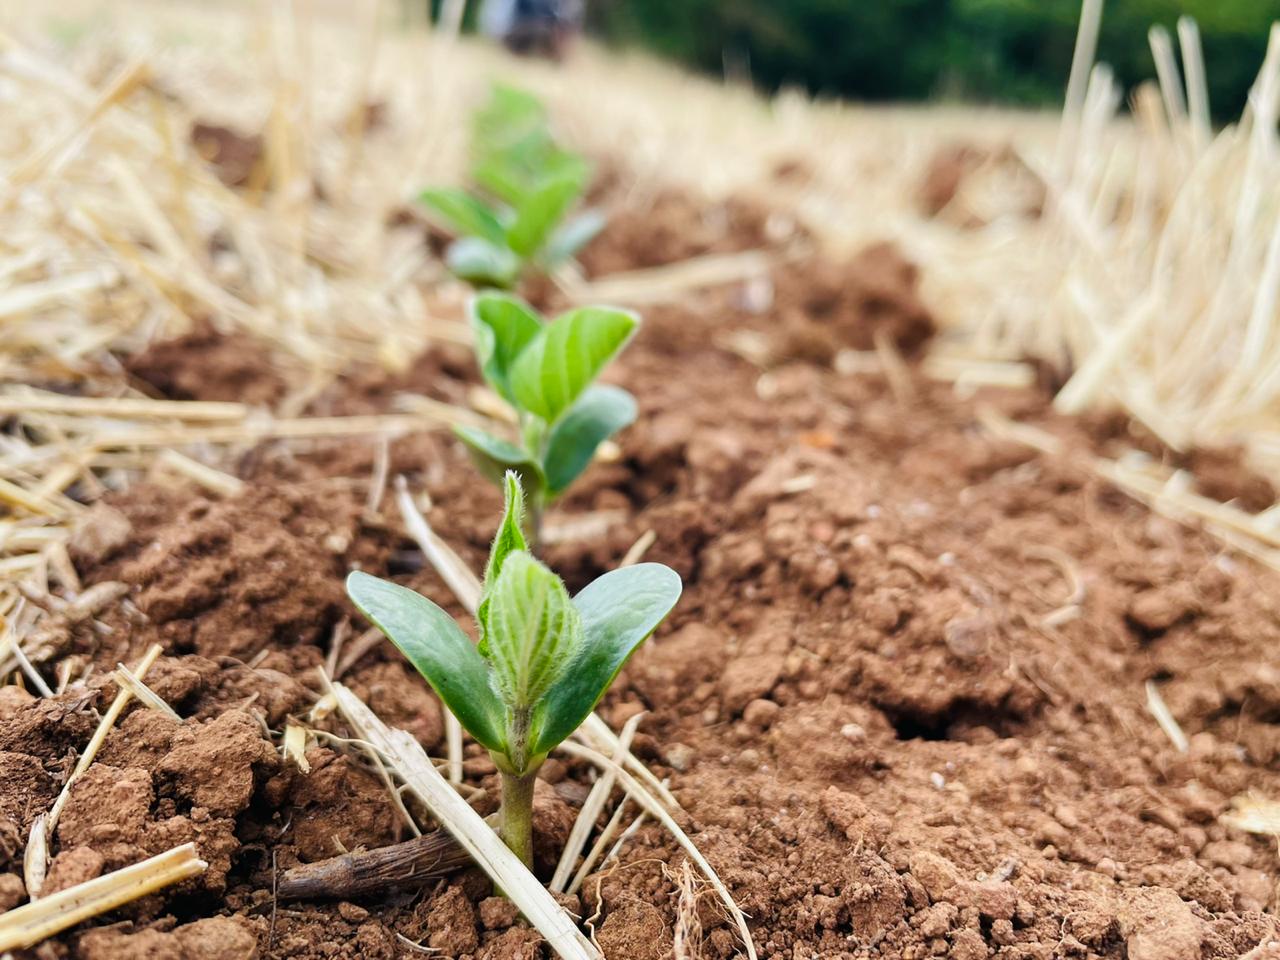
(938, 780)
(853, 732)
(679, 756)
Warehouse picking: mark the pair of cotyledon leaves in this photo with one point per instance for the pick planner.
(541, 654)
(547, 371)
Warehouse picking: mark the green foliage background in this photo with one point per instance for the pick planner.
(1011, 51)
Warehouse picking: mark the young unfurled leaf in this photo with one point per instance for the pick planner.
(503, 326)
(510, 536)
(533, 631)
(619, 611)
(540, 211)
(509, 539)
(463, 214)
(599, 413)
(439, 650)
(556, 366)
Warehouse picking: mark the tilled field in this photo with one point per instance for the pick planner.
(902, 699)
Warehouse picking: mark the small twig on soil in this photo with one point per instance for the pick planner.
(596, 733)
(1156, 704)
(423, 858)
(27, 925)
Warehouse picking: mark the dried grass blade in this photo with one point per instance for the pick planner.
(651, 806)
(27, 925)
(591, 809)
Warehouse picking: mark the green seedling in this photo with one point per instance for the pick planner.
(546, 371)
(543, 661)
(518, 219)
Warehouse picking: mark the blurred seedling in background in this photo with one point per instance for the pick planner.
(517, 218)
(543, 661)
(546, 371)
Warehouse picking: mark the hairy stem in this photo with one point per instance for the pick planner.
(517, 814)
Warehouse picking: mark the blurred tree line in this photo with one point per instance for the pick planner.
(1008, 51)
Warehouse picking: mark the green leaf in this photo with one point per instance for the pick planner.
(482, 263)
(509, 539)
(464, 214)
(572, 237)
(498, 177)
(503, 325)
(598, 414)
(534, 631)
(539, 213)
(494, 456)
(557, 365)
(510, 115)
(438, 648)
(619, 611)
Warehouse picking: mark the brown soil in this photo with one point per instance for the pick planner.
(902, 699)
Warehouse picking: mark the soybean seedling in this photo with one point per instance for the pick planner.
(546, 371)
(519, 218)
(543, 661)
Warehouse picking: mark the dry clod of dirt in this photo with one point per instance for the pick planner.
(1158, 925)
(215, 938)
(215, 765)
